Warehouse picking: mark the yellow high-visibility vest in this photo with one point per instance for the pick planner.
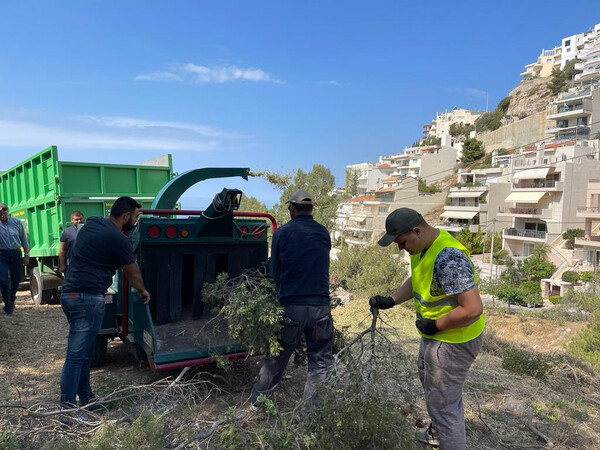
(434, 307)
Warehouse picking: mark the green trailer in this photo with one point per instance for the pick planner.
(42, 191)
(177, 251)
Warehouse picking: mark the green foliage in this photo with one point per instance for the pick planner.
(533, 91)
(472, 150)
(478, 243)
(555, 299)
(503, 105)
(146, 432)
(514, 293)
(351, 183)
(491, 121)
(537, 266)
(587, 300)
(570, 277)
(526, 362)
(369, 271)
(501, 257)
(460, 129)
(571, 234)
(428, 189)
(320, 183)
(558, 81)
(252, 204)
(10, 441)
(586, 345)
(588, 277)
(570, 71)
(431, 140)
(249, 304)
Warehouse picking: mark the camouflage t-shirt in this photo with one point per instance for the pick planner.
(452, 273)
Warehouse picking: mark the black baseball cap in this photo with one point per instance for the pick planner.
(399, 221)
(301, 197)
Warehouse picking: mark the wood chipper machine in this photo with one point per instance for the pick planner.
(177, 252)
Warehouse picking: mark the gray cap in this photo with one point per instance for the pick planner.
(398, 222)
(301, 197)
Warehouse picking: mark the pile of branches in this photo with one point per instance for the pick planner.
(249, 305)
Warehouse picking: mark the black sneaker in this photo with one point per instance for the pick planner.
(429, 436)
(95, 403)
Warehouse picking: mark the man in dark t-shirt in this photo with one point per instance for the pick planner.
(67, 239)
(100, 249)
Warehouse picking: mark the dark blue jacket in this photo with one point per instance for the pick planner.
(300, 262)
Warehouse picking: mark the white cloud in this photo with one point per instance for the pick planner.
(136, 123)
(159, 76)
(193, 73)
(330, 82)
(29, 134)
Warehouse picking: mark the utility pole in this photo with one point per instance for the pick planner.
(492, 247)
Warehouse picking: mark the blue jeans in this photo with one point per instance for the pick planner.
(11, 262)
(84, 313)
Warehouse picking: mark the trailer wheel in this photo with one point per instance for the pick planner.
(36, 286)
(100, 348)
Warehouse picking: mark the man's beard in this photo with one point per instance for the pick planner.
(128, 226)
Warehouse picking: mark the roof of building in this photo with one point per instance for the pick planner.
(361, 198)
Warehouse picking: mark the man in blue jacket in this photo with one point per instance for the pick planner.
(300, 268)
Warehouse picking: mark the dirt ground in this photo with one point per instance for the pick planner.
(33, 342)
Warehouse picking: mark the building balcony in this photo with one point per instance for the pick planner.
(588, 212)
(556, 186)
(565, 112)
(481, 207)
(534, 213)
(456, 227)
(525, 235)
(573, 131)
(593, 242)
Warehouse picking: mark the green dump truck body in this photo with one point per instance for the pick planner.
(43, 191)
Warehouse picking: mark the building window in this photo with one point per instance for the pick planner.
(567, 42)
(562, 123)
(582, 121)
(383, 209)
(527, 248)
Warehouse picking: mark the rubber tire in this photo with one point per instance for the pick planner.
(36, 287)
(100, 350)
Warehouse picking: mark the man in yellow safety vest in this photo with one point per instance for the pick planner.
(450, 319)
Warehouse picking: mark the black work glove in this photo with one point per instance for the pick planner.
(381, 302)
(427, 326)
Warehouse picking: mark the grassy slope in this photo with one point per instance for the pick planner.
(564, 407)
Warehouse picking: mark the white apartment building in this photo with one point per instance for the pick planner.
(548, 184)
(440, 126)
(368, 175)
(475, 201)
(546, 62)
(431, 163)
(587, 248)
(576, 114)
(361, 220)
(590, 61)
(573, 46)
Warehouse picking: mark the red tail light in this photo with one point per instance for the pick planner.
(257, 231)
(171, 231)
(153, 231)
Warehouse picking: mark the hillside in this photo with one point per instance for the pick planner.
(529, 97)
(376, 394)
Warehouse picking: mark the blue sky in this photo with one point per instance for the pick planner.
(270, 85)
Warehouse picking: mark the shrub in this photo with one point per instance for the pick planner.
(526, 362)
(369, 271)
(555, 299)
(571, 234)
(570, 277)
(586, 345)
(587, 277)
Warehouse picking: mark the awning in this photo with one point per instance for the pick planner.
(466, 194)
(458, 214)
(531, 174)
(525, 197)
